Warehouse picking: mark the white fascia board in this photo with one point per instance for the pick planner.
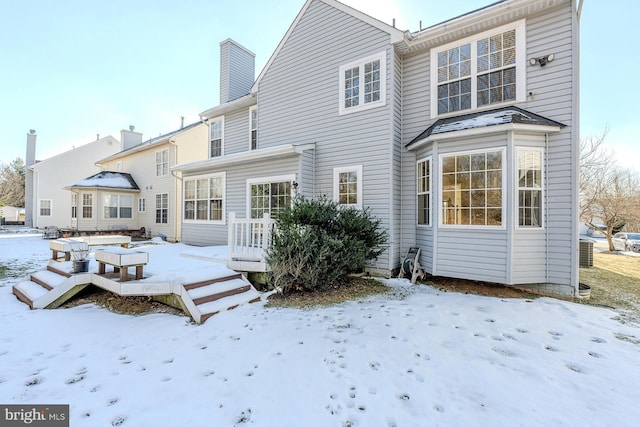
(487, 130)
(244, 157)
(478, 21)
(236, 104)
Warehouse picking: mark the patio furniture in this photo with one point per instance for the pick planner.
(121, 259)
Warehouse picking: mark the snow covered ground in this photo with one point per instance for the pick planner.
(415, 357)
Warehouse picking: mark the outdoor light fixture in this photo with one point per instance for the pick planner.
(542, 60)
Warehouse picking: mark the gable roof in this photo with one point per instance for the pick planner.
(149, 143)
(484, 119)
(395, 34)
(107, 180)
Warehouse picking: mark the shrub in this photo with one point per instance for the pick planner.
(317, 243)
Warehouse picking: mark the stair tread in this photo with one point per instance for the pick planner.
(216, 288)
(31, 290)
(230, 301)
(49, 277)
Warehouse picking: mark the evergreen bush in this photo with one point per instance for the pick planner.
(317, 243)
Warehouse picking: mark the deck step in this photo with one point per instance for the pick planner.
(28, 291)
(218, 290)
(48, 279)
(211, 308)
(196, 285)
(58, 271)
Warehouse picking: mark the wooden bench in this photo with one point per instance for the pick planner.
(121, 259)
(106, 240)
(66, 246)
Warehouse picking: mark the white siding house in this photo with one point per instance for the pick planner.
(461, 138)
(151, 193)
(52, 204)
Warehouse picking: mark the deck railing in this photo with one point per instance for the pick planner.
(249, 238)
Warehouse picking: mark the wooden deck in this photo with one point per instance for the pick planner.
(54, 286)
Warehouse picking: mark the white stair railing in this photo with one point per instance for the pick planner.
(249, 238)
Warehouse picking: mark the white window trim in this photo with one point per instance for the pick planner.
(83, 205)
(160, 208)
(118, 207)
(500, 227)
(516, 186)
(142, 205)
(224, 198)
(251, 129)
(156, 161)
(265, 180)
(211, 122)
(50, 207)
(521, 74)
(382, 56)
(430, 190)
(336, 184)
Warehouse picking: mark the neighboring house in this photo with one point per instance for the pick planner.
(51, 204)
(461, 138)
(156, 205)
(12, 215)
(104, 201)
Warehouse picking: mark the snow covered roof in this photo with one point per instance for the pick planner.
(106, 179)
(500, 116)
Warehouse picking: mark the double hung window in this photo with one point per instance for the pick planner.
(363, 84)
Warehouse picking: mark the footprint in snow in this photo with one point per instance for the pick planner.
(522, 330)
(550, 348)
(113, 401)
(74, 379)
(33, 381)
(374, 366)
(166, 362)
(165, 379)
(438, 407)
(598, 340)
(555, 335)
(594, 354)
(489, 320)
(504, 352)
(118, 421)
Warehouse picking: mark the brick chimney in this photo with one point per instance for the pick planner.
(237, 70)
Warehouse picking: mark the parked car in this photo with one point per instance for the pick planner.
(626, 242)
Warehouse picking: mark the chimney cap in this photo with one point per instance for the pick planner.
(32, 131)
(131, 127)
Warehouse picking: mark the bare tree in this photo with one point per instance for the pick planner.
(12, 183)
(609, 194)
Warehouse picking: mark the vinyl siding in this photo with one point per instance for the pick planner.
(298, 103)
(236, 197)
(526, 256)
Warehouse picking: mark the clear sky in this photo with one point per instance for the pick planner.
(73, 69)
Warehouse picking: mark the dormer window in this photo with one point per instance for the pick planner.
(479, 71)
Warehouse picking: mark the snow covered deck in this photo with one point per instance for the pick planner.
(193, 279)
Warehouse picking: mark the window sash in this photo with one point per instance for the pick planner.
(253, 128)
(347, 186)
(118, 206)
(87, 206)
(424, 191)
(472, 188)
(204, 198)
(530, 185)
(215, 138)
(478, 71)
(45, 207)
(363, 83)
(162, 208)
(162, 162)
(269, 197)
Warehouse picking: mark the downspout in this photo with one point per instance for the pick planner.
(575, 271)
(177, 204)
(546, 208)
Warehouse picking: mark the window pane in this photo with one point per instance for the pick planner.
(468, 190)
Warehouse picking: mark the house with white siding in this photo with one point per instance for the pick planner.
(48, 201)
(135, 188)
(462, 138)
